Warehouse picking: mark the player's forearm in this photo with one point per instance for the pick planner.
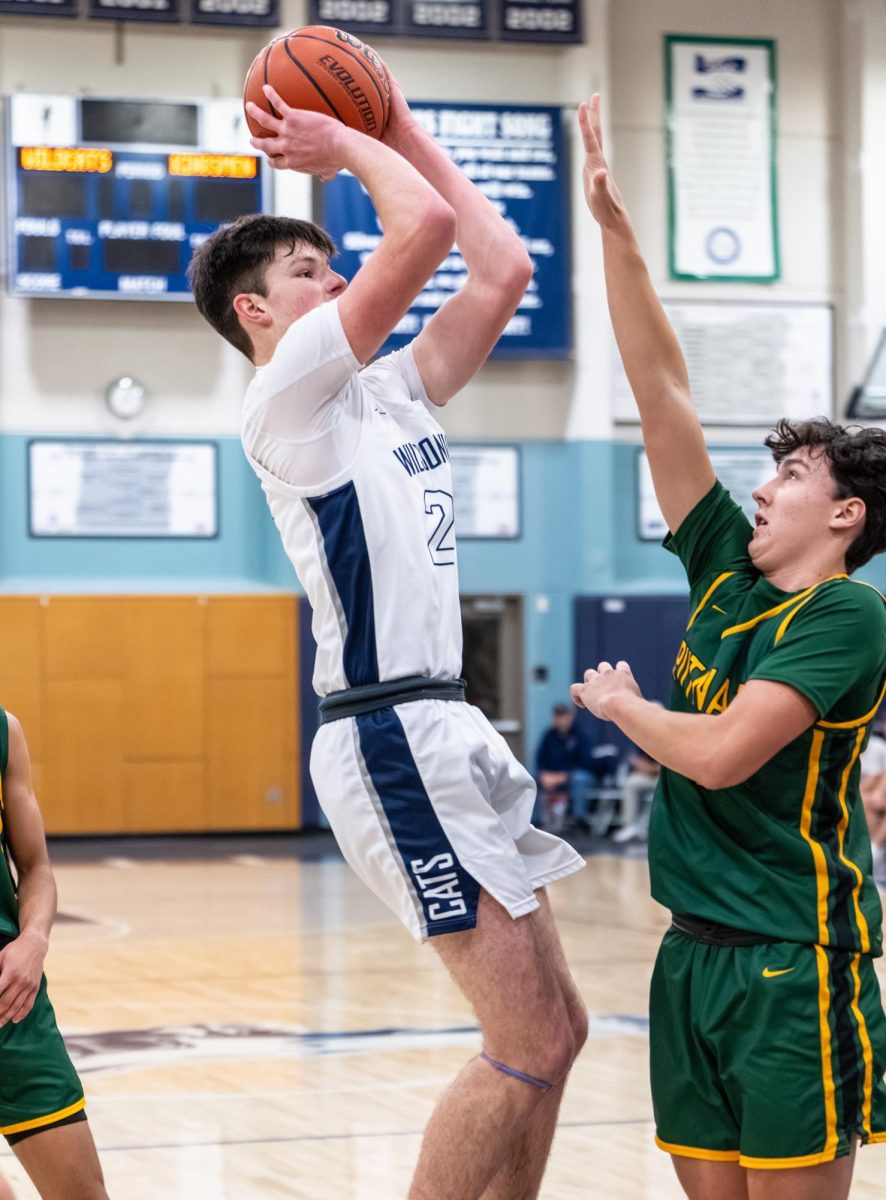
(37, 901)
(695, 745)
(649, 349)
(489, 246)
(406, 204)
(655, 367)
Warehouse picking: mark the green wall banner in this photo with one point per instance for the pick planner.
(721, 156)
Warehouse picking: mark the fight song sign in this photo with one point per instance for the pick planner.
(515, 155)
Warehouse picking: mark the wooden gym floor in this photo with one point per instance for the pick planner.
(250, 1023)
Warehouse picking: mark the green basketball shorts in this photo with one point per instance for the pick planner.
(768, 1055)
(39, 1087)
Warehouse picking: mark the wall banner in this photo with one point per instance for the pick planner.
(721, 157)
(249, 13)
(505, 20)
(749, 362)
(40, 8)
(135, 10)
(236, 12)
(741, 470)
(517, 157)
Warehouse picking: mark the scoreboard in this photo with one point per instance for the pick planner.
(109, 199)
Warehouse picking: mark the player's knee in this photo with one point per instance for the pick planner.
(556, 1051)
(578, 1019)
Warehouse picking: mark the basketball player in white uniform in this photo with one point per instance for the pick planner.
(425, 799)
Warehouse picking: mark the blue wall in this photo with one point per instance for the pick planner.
(579, 522)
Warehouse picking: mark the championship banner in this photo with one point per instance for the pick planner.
(721, 142)
(368, 18)
(516, 156)
(480, 20)
(40, 8)
(446, 18)
(252, 13)
(540, 21)
(135, 10)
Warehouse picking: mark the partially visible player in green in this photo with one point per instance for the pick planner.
(41, 1099)
(767, 1033)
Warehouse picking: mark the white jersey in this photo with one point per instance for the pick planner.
(356, 472)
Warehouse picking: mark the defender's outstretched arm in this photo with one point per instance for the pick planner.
(656, 370)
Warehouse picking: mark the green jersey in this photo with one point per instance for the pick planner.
(8, 896)
(785, 854)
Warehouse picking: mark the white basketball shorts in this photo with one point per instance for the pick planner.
(429, 805)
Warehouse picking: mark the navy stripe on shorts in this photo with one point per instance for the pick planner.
(447, 893)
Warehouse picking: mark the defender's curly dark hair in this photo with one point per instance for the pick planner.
(234, 259)
(857, 460)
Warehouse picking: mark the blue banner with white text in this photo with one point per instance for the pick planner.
(516, 155)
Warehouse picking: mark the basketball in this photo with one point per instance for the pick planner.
(323, 70)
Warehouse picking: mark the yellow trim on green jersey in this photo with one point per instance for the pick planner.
(49, 1119)
(866, 1050)
(782, 629)
(706, 597)
(842, 824)
(779, 608)
(868, 716)
(698, 1152)
(821, 866)
(827, 1072)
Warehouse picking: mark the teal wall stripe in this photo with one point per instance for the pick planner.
(579, 521)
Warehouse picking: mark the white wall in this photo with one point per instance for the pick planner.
(56, 357)
(808, 37)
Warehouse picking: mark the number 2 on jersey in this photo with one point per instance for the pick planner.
(441, 516)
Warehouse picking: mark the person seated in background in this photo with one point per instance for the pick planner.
(568, 768)
(562, 764)
(873, 794)
(638, 788)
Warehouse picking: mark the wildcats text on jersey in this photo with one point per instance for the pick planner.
(425, 455)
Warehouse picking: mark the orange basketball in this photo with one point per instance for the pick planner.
(323, 70)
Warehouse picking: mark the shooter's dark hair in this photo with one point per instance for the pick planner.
(234, 259)
(856, 457)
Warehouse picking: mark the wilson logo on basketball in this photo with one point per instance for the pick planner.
(345, 79)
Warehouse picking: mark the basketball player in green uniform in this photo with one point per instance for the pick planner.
(768, 1038)
(41, 1099)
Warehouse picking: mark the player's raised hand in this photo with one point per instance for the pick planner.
(601, 194)
(601, 684)
(301, 141)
